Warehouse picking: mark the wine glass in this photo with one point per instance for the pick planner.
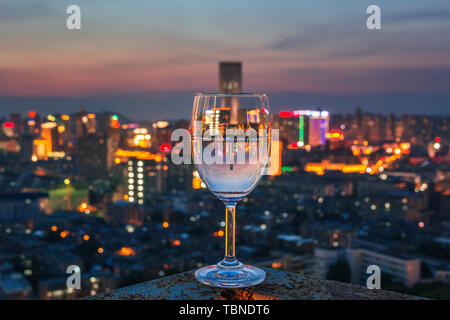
(230, 147)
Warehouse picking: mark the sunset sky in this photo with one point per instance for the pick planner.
(146, 58)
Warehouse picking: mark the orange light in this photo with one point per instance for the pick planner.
(317, 168)
(405, 145)
(126, 251)
(421, 224)
(165, 224)
(117, 160)
(64, 234)
(126, 197)
(320, 167)
(220, 233)
(276, 148)
(65, 117)
(176, 242)
(100, 250)
(276, 265)
(91, 116)
(141, 155)
(196, 183)
(86, 237)
(54, 228)
(83, 206)
(49, 125)
(398, 151)
(32, 114)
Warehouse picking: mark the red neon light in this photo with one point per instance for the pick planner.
(336, 133)
(165, 147)
(32, 114)
(285, 114)
(438, 139)
(9, 124)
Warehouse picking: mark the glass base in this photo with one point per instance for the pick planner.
(224, 276)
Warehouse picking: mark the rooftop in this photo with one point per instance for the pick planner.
(278, 285)
(14, 283)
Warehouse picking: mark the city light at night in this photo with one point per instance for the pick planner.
(251, 150)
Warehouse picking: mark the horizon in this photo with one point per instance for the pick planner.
(149, 106)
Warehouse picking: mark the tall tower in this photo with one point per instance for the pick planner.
(230, 77)
(230, 81)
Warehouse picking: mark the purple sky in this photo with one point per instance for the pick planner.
(146, 58)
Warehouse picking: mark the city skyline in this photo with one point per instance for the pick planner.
(154, 106)
(304, 55)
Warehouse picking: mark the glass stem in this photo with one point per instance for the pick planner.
(230, 216)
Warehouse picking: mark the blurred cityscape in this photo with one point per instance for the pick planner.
(99, 191)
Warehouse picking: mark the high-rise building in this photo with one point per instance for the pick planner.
(16, 118)
(377, 134)
(84, 123)
(230, 77)
(400, 267)
(93, 155)
(390, 127)
(97, 141)
(318, 128)
(47, 142)
(137, 139)
(230, 81)
(357, 124)
(303, 127)
(135, 176)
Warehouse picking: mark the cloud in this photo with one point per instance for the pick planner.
(21, 12)
(347, 79)
(347, 41)
(419, 16)
(311, 36)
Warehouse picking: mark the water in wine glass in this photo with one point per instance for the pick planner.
(234, 168)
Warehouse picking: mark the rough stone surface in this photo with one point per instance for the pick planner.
(278, 285)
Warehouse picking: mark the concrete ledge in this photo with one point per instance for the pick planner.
(278, 285)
